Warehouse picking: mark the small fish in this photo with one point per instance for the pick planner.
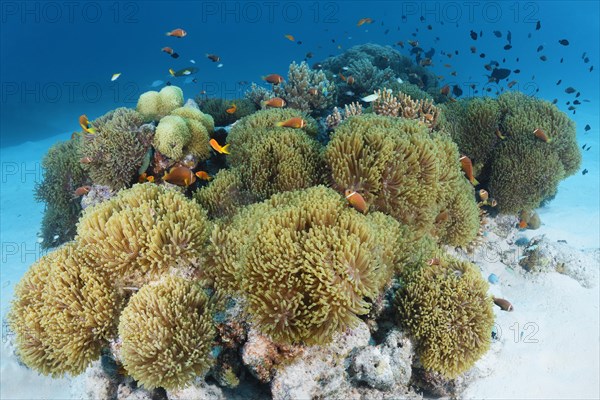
(363, 21)
(85, 160)
(570, 90)
(483, 195)
(564, 42)
(497, 34)
(503, 304)
(587, 127)
(232, 109)
(80, 191)
(543, 58)
(213, 57)
(273, 78)
(150, 179)
(541, 135)
(433, 261)
(290, 38)
(370, 98)
(413, 43)
(500, 135)
(538, 25)
(179, 33)
(295, 122)
(508, 47)
(170, 52)
(473, 35)
(180, 176)
(85, 124)
(313, 91)
(356, 200)
(559, 82)
(183, 72)
(115, 76)
(220, 66)
(203, 175)
(511, 84)
(308, 55)
(277, 102)
(467, 167)
(540, 48)
(350, 80)
(217, 147)
(585, 171)
(192, 61)
(473, 49)
(522, 224)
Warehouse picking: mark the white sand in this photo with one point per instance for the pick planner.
(563, 363)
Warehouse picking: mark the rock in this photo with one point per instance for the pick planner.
(198, 391)
(261, 355)
(128, 391)
(96, 384)
(385, 366)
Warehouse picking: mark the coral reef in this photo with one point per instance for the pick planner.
(401, 169)
(402, 105)
(154, 105)
(217, 109)
(520, 170)
(115, 153)
(335, 118)
(186, 131)
(446, 308)
(167, 334)
(275, 256)
(307, 90)
(64, 312)
(63, 174)
(142, 233)
(257, 94)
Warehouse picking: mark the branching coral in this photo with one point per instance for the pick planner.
(154, 105)
(447, 309)
(217, 108)
(257, 94)
(307, 265)
(186, 131)
(335, 118)
(142, 233)
(167, 334)
(64, 312)
(118, 149)
(63, 174)
(399, 167)
(404, 106)
(307, 90)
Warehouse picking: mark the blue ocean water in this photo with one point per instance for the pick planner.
(57, 59)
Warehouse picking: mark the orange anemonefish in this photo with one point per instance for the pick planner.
(445, 90)
(170, 52)
(232, 109)
(483, 195)
(467, 167)
(295, 122)
(356, 200)
(80, 191)
(313, 91)
(180, 176)
(203, 175)
(85, 124)
(85, 160)
(363, 21)
(350, 80)
(290, 38)
(522, 224)
(177, 33)
(273, 78)
(217, 147)
(541, 135)
(503, 304)
(276, 102)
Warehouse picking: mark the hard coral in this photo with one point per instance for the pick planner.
(307, 90)
(64, 313)
(167, 334)
(307, 265)
(154, 105)
(118, 148)
(447, 309)
(142, 233)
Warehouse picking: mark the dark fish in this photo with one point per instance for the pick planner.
(309, 55)
(386, 32)
(554, 101)
(576, 102)
(480, 33)
(586, 60)
(473, 35)
(587, 127)
(571, 108)
(517, 71)
(543, 58)
(507, 47)
(473, 49)
(509, 37)
(538, 25)
(456, 91)
(429, 27)
(299, 42)
(559, 81)
(583, 147)
(585, 171)
(540, 48)
(591, 68)
(500, 73)
(564, 42)
(529, 35)
(497, 34)
(503, 304)
(589, 147)
(578, 94)
(422, 18)
(561, 60)
(482, 55)
(570, 90)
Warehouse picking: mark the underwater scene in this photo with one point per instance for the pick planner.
(300, 200)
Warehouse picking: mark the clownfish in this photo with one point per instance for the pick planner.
(356, 200)
(179, 33)
(295, 122)
(218, 148)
